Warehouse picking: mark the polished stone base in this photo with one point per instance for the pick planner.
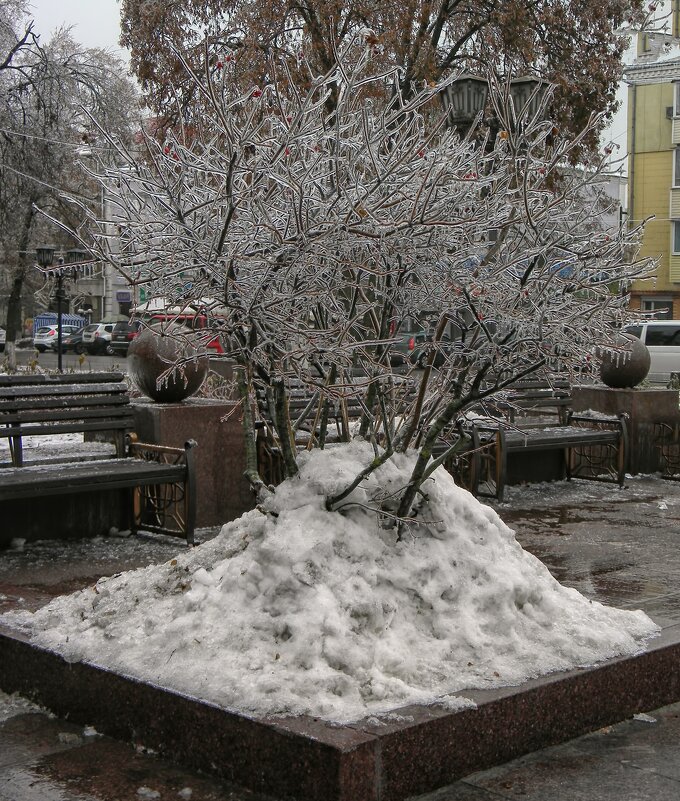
(222, 492)
(417, 750)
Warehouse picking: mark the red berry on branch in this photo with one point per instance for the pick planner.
(219, 65)
(256, 93)
(166, 150)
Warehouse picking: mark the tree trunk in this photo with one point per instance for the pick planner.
(14, 322)
(251, 472)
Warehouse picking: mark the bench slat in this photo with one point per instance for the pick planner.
(31, 379)
(64, 401)
(32, 416)
(47, 391)
(560, 437)
(82, 477)
(69, 427)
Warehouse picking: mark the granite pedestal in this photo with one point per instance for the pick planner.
(223, 494)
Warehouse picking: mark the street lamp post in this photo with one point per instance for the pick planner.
(45, 257)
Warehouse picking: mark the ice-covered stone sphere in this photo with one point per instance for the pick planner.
(157, 349)
(625, 368)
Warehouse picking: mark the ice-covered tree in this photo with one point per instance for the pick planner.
(358, 586)
(315, 235)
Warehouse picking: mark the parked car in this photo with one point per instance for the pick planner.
(404, 344)
(420, 355)
(123, 334)
(197, 322)
(3, 337)
(97, 338)
(662, 338)
(45, 338)
(455, 342)
(72, 342)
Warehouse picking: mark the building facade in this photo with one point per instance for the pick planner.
(654, 165)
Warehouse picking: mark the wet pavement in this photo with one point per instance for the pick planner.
(616, 546)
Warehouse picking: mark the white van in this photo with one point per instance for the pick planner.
(662, 338)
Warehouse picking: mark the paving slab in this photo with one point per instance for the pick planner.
(47, 759)
(636, 760)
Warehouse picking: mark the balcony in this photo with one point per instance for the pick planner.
(675, 130)
(674, 206)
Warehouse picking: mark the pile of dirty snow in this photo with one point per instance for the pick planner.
(296, 610)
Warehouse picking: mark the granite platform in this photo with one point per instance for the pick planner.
(414, 750)
(617, 546)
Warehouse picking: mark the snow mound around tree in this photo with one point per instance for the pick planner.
(298, 610)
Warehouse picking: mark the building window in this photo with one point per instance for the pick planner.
(662, 307)
(676, 99)
(676, 167)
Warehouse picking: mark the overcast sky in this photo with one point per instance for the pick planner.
(96, 23)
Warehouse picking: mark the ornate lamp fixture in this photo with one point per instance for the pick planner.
(527, 90)
(464, 99)
(45, 255)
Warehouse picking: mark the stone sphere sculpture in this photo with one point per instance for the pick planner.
(155, 350)
(625, 368)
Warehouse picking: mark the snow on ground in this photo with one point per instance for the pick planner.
(298, 610)
(13, 705)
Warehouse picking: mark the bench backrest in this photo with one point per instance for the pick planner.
(528, 398)
(303, 399)
(40, 405)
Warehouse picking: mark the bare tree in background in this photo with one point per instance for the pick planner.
(575, 44)
(315, 235)
(45, 91)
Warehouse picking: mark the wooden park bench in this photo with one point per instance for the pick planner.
(158, 480)
(533, 418)
(530, 417)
